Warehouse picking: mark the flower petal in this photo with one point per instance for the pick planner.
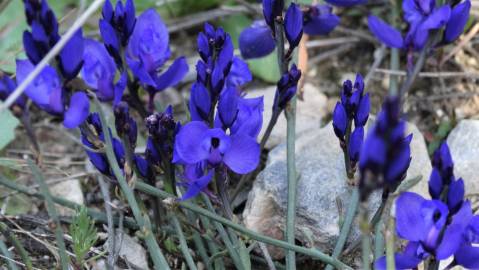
(340, 120)
(239, 73)
(71, 56)
(250, 117)
(78, 110)
(435, 184)
(385, 33)
(466, 256)
(197, 185)
(457, 21)
(362, 114)
(200, 102)
(409, 221)
(437, 19)
(173, 75)
(293, 25)
(228, 107)
(256, 41)
(243, 154)
(321, 21)
(189, 142)
(355, 143)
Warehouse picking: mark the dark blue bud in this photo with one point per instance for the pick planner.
(228, 107)
(293, 25)
(340, 121)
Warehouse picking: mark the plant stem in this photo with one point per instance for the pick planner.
(316, 254)
(200, 247)
(290, 113)
(347, 161)
(223, 234)
(8, 255)
(142, 220)
(378, 240)
(393, 79)
(18, 246)
(183, 245)
(346, 228)
(390, 260)
(52, 212)
(365, 241)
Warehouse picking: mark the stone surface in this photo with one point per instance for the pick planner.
(310, 111)
(322, 179)
(70, 190)
(464, 145)
(131, 251)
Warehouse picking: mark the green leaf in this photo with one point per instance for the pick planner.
(244, 255)
(18, 204)
(9, 123)
(265, 68)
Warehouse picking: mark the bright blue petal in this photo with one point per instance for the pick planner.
(256, 41)
(346, 3)
(409, 219)
(457, 21)
(243, 155)
(173, 75)
(340, 120)
(293, 25)
(77, 111)
(71, 56)
(385, 33)
(190, 142)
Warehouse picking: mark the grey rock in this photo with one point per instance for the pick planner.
(130, 250)
(322, 180)
(463, 142)
(310, 111)
(70, 190)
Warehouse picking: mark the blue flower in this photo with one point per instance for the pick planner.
(468, 252)
(44, 35)
(271, 10)
(286, 88)
(197, 179)
(422, 17)
(385, 154)
(99, 72)
(293, 25)
(258, 40)
(196, 142)
(148, 50)
(125, 125)
(7, 86)
(116, 27)
(430, 228)
(46, 91)
(319, 20)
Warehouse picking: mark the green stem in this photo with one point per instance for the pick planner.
(183, 245)
(200, 247)
(347, 161)
(212, 246)
(18, 246)
(365, 241)
(390, 260)
(142, 220)
(346, 228)
(52, 212)
(314, 253)
(378, 240)
(234, 254)
(8, 255)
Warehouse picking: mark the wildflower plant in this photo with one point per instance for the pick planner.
(219, 142)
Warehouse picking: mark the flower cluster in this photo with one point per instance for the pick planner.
(258, 40)
(385, 153)
(51, 90)
(438, 228)
(353, 106)
(215, 142)
(423, 17)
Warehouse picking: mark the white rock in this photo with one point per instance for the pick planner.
(70, 190)
(463, 142)
(130, 250)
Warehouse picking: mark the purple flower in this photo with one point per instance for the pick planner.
(99, 72)
(385, 154)
(196, 142)
(346, 3)
(148, 50)
(468, 252)
(457, 22)
(340, 120)
(116, 27)
(7, 86)
(239, 74)
(93, 137)
(256, 41)
(319, 20)
(125, 125)
(46, 92)
(430, 229)
(293, 25)
(249, 119)
(197, 179)
(44, 35)
(286, 88)
(271, 10)
(422, 17)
